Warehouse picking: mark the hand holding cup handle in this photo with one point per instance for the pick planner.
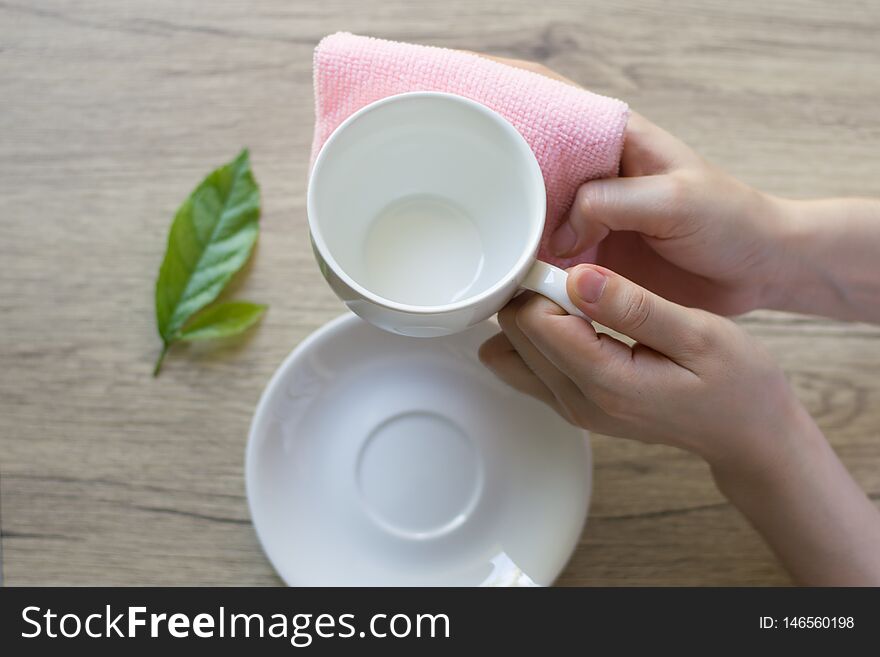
(550, 281)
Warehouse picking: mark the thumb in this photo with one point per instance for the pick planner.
(623, 306)
(646, 204)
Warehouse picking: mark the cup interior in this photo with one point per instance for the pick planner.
(426, 199)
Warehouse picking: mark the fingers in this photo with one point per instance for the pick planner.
(588, 359)
(649, 149)
(556, 380)
(591, 379)
(499, 355)
(627, 308)
(649, 205)
(650, 197)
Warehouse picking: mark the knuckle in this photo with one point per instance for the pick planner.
(590, 196)
(703, 336)
(678, 190)
(637, 310)
(677, 184)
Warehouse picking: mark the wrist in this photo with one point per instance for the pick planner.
(785, 272)
(791, 450)
(820, 258)
(811, 512)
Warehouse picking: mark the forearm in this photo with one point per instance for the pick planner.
(819, 522)
(829, 256)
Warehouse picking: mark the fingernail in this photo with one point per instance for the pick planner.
(563, 240)
(589, 284)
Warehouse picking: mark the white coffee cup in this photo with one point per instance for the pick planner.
(426, 211)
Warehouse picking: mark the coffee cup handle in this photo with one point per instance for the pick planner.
(549, 281)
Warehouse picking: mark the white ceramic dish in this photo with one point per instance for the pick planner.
(376, 459)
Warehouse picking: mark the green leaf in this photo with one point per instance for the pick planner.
(223, 320)
(211, 237)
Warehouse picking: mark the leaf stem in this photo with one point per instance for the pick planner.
(158, 367)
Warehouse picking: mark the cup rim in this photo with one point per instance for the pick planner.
(529, 251)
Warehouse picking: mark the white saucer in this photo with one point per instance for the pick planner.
(377, 459)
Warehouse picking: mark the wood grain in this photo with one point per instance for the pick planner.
(112, 111)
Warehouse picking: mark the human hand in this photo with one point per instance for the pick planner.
(677, 225)
(693, 380)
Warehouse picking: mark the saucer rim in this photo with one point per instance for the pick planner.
(327, 330)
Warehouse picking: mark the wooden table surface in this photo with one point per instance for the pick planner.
(111, 111)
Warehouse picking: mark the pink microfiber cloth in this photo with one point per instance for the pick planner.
(575, 134)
